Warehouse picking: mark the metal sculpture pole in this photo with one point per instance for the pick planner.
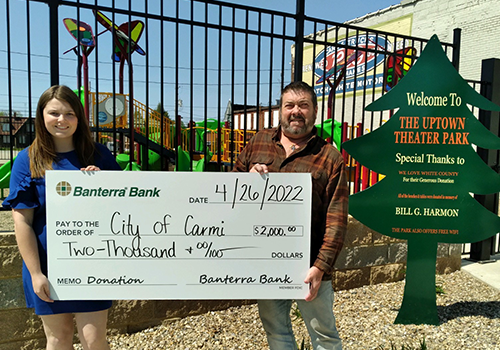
(125, 38)
(83, 34)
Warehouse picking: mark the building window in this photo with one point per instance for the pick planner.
(6, 139)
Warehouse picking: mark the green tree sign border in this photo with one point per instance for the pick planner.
(425, 152)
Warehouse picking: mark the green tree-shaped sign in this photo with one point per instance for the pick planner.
(425, 150)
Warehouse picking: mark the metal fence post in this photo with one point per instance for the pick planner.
(54, 41)
(457, 38)
(299, 40)
(490, 88)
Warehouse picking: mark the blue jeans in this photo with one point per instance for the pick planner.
(317, 315)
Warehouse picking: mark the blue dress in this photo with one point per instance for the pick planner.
(29, 193)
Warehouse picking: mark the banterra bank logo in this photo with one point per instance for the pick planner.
(64, 188)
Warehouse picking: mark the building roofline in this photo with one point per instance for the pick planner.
(381, 11)
(353, 21)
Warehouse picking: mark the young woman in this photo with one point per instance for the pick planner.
(62, 142)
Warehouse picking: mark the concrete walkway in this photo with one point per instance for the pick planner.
(488, 272)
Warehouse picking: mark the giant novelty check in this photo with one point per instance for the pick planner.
(177, 235)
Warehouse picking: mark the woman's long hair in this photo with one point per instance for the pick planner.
(42, 151)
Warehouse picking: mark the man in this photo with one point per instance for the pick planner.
(295, 147)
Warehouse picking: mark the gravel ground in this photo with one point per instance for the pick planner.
(469, 312)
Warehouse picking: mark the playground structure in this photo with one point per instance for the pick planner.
(161, 135)
(153, 137)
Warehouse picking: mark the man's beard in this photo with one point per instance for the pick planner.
(298, 131)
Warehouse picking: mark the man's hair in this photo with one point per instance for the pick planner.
(300, 86)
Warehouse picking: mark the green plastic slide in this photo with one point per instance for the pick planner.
(123, 161)
(333, 129)
(5, 176)
(184, 161)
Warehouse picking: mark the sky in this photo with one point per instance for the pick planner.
(333, 10)
(178, 93)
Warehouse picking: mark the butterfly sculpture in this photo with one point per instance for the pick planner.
(126, 36)
(81, 31)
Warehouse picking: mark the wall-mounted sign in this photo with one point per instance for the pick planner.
(357, 60)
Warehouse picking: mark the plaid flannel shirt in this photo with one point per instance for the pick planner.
(329, 187)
